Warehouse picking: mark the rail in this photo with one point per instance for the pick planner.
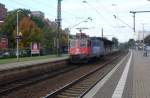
(61, 91)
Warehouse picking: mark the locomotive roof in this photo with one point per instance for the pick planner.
(106, 41)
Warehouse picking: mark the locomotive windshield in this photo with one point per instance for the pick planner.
(72, 43)
(83, 43)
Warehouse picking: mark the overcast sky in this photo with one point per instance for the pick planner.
(101, 11)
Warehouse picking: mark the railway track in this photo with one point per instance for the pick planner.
(8, 87)
(82, 85)
(20, 84)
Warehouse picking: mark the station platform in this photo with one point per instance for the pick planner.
(23, 64)
(130, 78)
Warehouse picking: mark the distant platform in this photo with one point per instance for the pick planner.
(30, 63)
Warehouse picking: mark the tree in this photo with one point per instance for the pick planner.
(131, 43)
(147, 39)
(48, 36)
(65, 33)
(38, 21)
(115, 41)
(30, 32)
(32, 29)
(48, 31)
(10, 25)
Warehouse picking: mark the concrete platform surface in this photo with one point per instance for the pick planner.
(131, 79)
(141, 75)
(30, 63)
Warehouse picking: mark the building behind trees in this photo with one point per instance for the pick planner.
(3, 12)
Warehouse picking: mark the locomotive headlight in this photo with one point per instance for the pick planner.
(77, 51)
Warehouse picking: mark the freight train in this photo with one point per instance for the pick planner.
(82, 48)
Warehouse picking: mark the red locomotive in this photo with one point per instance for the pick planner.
(82, 48)
(79, 48)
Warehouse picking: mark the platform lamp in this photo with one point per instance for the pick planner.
(143, 24)
(17, 37)
(19, 34)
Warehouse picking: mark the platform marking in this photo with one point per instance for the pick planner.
(100, 84)
(121, 84)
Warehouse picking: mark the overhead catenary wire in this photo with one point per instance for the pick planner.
(112, 14)
(65, 20)
(97, 11)
(33, 8)
(54, 9)
(27, 6)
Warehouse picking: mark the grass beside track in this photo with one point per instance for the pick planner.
(21, 59)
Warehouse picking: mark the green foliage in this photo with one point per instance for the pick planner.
(10, 25)
(32, 29)
(115, 41)
(123, 46)
(48, 36)
(131, 43)
(65, 37)
(147, 39)
(39, 22)
(30, 32)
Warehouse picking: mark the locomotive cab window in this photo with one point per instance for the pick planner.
(89, 43)
(83, 43)
(72, 43)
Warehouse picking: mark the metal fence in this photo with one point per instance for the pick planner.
(8, 53)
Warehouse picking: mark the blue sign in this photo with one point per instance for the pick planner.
(17, 37)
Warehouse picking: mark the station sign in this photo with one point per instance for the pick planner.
(17, 37)
(35, 48)
(3, 43)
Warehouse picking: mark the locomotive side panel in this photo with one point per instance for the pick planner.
(97, 47)
(83, 48)
(102, 48)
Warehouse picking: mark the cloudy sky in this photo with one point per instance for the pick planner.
(101, 12)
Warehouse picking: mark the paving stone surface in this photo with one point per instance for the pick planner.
(141, 75)
(138, 79)
(128, 89)
(108, 88)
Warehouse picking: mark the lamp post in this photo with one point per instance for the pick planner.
(143, 24)
(18, 34)
(17, 37)
(58, 27)
(134, 13)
